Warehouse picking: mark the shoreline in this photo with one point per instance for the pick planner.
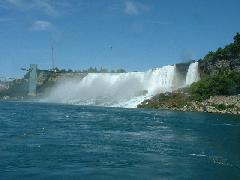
(222, 105)
(215, 104)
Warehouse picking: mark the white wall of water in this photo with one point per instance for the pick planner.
(192, 74)
(114, 89)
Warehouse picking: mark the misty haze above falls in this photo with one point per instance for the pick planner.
(121, 89)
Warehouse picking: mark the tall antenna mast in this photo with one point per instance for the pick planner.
(53, 65)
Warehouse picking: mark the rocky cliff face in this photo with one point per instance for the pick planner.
(215, 66)
(18, 88)
(181, 71)
(47, 80)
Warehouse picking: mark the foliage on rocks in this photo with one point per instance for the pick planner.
(224, 83)
(229, 52)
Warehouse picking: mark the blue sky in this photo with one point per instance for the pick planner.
(129, 34)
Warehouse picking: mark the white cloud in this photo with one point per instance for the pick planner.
(45, 6)
(135, 8)
(131, 8)
(41, 25)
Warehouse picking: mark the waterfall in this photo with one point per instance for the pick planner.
(114, 89)
(119, 89)
(192, 74)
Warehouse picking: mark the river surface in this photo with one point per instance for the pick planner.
(53, 141)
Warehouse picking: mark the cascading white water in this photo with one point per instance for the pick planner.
(115, 89)
(192, 74)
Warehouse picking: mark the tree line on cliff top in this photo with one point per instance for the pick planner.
(90, 70)
(231, 51)
(225, 82)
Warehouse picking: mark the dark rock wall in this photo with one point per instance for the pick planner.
(46, 79)
(215, 66)
(181, 73)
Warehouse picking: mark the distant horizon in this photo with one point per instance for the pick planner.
(68, 70)
(100, 67)
(135, 35)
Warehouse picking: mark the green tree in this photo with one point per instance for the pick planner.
(237, 38)
(224, 83)
(210, 56)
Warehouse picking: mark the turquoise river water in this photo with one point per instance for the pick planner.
(54, 141)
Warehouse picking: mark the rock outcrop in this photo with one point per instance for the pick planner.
(215, 66)
(182, 102)
(215, 104)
